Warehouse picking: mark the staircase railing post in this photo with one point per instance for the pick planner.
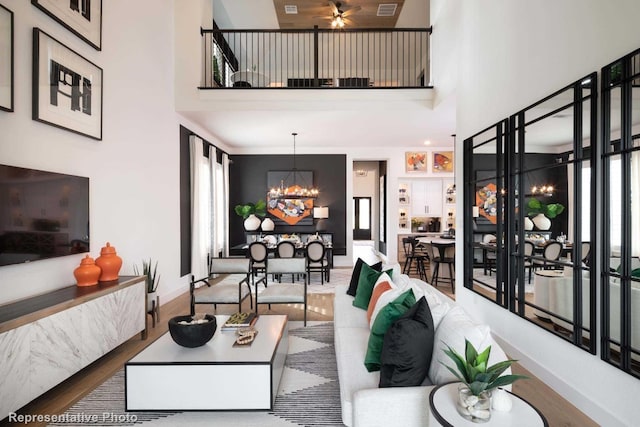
(315, 57)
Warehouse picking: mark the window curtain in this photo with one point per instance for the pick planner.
(200, 208)
(217, 199)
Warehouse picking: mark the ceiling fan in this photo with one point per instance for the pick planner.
(339, 14)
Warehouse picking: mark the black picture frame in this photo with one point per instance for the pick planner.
(6, 59)
(82, 17)
(67, 88)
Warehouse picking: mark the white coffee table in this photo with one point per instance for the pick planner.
(442, 402)
(216, 376)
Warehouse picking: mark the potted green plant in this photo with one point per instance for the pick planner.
(542, 213)
(152, 279)
(478, 380)
(250, 213)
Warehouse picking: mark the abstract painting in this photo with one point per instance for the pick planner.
(443, 161)
(67, 88)
(81, 17)
(416, 161)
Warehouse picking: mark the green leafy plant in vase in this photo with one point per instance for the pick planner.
(541, 213)
(152, 279)
(478, 380)
(250, 213)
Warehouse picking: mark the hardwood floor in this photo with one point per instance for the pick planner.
(557, 410)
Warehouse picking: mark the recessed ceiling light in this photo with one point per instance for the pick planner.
(427, 142)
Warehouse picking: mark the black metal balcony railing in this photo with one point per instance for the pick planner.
(316, 58)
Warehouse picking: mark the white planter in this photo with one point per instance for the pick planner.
(542, 222)
(268, 224)
(528, 224)
(150, 298)
(252, 223)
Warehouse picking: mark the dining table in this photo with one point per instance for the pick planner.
(301, 248)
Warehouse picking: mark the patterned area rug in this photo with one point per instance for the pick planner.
(309, 393)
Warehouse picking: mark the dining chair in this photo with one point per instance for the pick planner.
(529, 247)
(551, 252)
(285, 249)
(317, 261)
(489, 256)
(258, 254)
(585, 251)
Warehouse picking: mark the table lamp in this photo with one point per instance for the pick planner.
(320, 213)
(475, 212)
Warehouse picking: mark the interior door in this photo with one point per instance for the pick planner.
(362, 218)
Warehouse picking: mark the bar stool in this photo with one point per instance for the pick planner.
(443, 253)
(414, 251)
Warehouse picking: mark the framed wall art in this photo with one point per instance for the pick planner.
(442, 161)
(81, 17)
(415, 161)
(6, 59)
(67, 88)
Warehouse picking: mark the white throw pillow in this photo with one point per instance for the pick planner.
(452, 331)
(438, 311)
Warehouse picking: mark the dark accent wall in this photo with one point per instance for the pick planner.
(248, 183)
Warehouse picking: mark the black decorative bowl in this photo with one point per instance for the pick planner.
(192, 334)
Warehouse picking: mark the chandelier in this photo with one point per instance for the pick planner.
(299, 189)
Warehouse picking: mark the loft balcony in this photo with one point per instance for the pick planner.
(316, 59)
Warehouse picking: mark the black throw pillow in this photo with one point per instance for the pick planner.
(407, 348)
(355, 275)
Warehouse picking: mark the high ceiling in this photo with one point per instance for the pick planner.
(359, 13)
(333, 118)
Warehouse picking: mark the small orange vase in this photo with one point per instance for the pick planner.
(87, 273)
(109, 262)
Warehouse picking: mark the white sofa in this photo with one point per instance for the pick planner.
(364, 404)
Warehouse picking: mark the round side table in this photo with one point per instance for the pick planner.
(442, 402)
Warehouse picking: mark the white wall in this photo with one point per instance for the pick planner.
(512, 53)
(134, 170)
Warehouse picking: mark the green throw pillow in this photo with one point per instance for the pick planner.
(368, 278)
(389, 314)
(635, 273)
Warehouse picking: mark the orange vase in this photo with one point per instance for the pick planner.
(109, 262)
(88, 273)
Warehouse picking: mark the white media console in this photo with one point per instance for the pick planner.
(49, 337)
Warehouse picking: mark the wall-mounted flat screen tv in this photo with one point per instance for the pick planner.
(42, 215)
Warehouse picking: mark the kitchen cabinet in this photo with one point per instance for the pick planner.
(426, 197)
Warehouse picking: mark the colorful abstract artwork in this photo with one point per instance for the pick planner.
(443, 161)
(486, 200)
(291, 211)
(415, 161)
